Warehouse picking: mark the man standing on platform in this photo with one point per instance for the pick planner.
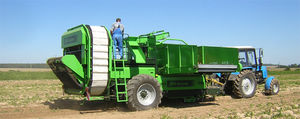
(117, 31)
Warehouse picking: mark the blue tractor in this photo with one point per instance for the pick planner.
(243, 84)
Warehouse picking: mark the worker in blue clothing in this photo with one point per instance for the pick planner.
(117, 31)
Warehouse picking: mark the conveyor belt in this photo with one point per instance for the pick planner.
(100, 42)
(64, 74)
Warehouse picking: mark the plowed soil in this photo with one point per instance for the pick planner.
(44, 99)
(221, 107)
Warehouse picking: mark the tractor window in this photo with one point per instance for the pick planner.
(242, 58)
(247, 58)
(251, 58)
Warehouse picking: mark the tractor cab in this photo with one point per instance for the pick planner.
(250, 60)
(248, 57)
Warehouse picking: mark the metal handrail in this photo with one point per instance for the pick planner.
(172, 40)
(149, 34)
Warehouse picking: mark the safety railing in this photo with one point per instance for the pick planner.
(160, 42)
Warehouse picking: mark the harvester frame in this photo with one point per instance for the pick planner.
(151, 69)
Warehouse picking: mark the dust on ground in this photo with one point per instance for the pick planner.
(44, 99)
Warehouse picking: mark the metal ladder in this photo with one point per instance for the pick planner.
(120, 83)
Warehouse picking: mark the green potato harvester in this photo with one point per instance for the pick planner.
(151, 69)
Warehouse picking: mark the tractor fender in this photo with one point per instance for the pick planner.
(268, 82)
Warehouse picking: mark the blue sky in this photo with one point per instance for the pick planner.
(31, 29)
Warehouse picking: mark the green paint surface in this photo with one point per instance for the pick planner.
(72, 62)
(217, 55)
(74, 36)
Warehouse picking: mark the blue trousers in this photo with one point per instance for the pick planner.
(118, 42)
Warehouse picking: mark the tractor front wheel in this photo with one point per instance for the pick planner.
(144, 92)
(274, 88)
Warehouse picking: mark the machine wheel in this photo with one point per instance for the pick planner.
(229, 84)
(274, 88)
(244, 85)
(228, 87)
(144, 92)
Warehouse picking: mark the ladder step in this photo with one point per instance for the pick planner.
(120, 59)
(119, 68)
(121, 84)
(122, 93)
(122, 100)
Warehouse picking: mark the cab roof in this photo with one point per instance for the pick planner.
(243, 47)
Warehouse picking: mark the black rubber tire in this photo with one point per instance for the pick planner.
(132, 89)
(229, 84)
(271, 91)
(237, 87)
(228, 87)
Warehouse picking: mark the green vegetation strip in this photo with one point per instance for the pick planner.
(16, 75)
(283, 72)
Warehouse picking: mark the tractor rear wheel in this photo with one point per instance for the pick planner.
(274, 88)
(244, 85)
(144, 92)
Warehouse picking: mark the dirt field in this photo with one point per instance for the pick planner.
(44, 99)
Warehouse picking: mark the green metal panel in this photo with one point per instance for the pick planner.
(73, 37)
(182, 82)
(72, 62)
(120, 72)
(139, 55)
(128, 72)
(142, 70)
(176, 59)
(136, 50)
(88, 58)
(217, 55)
(78, 36)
